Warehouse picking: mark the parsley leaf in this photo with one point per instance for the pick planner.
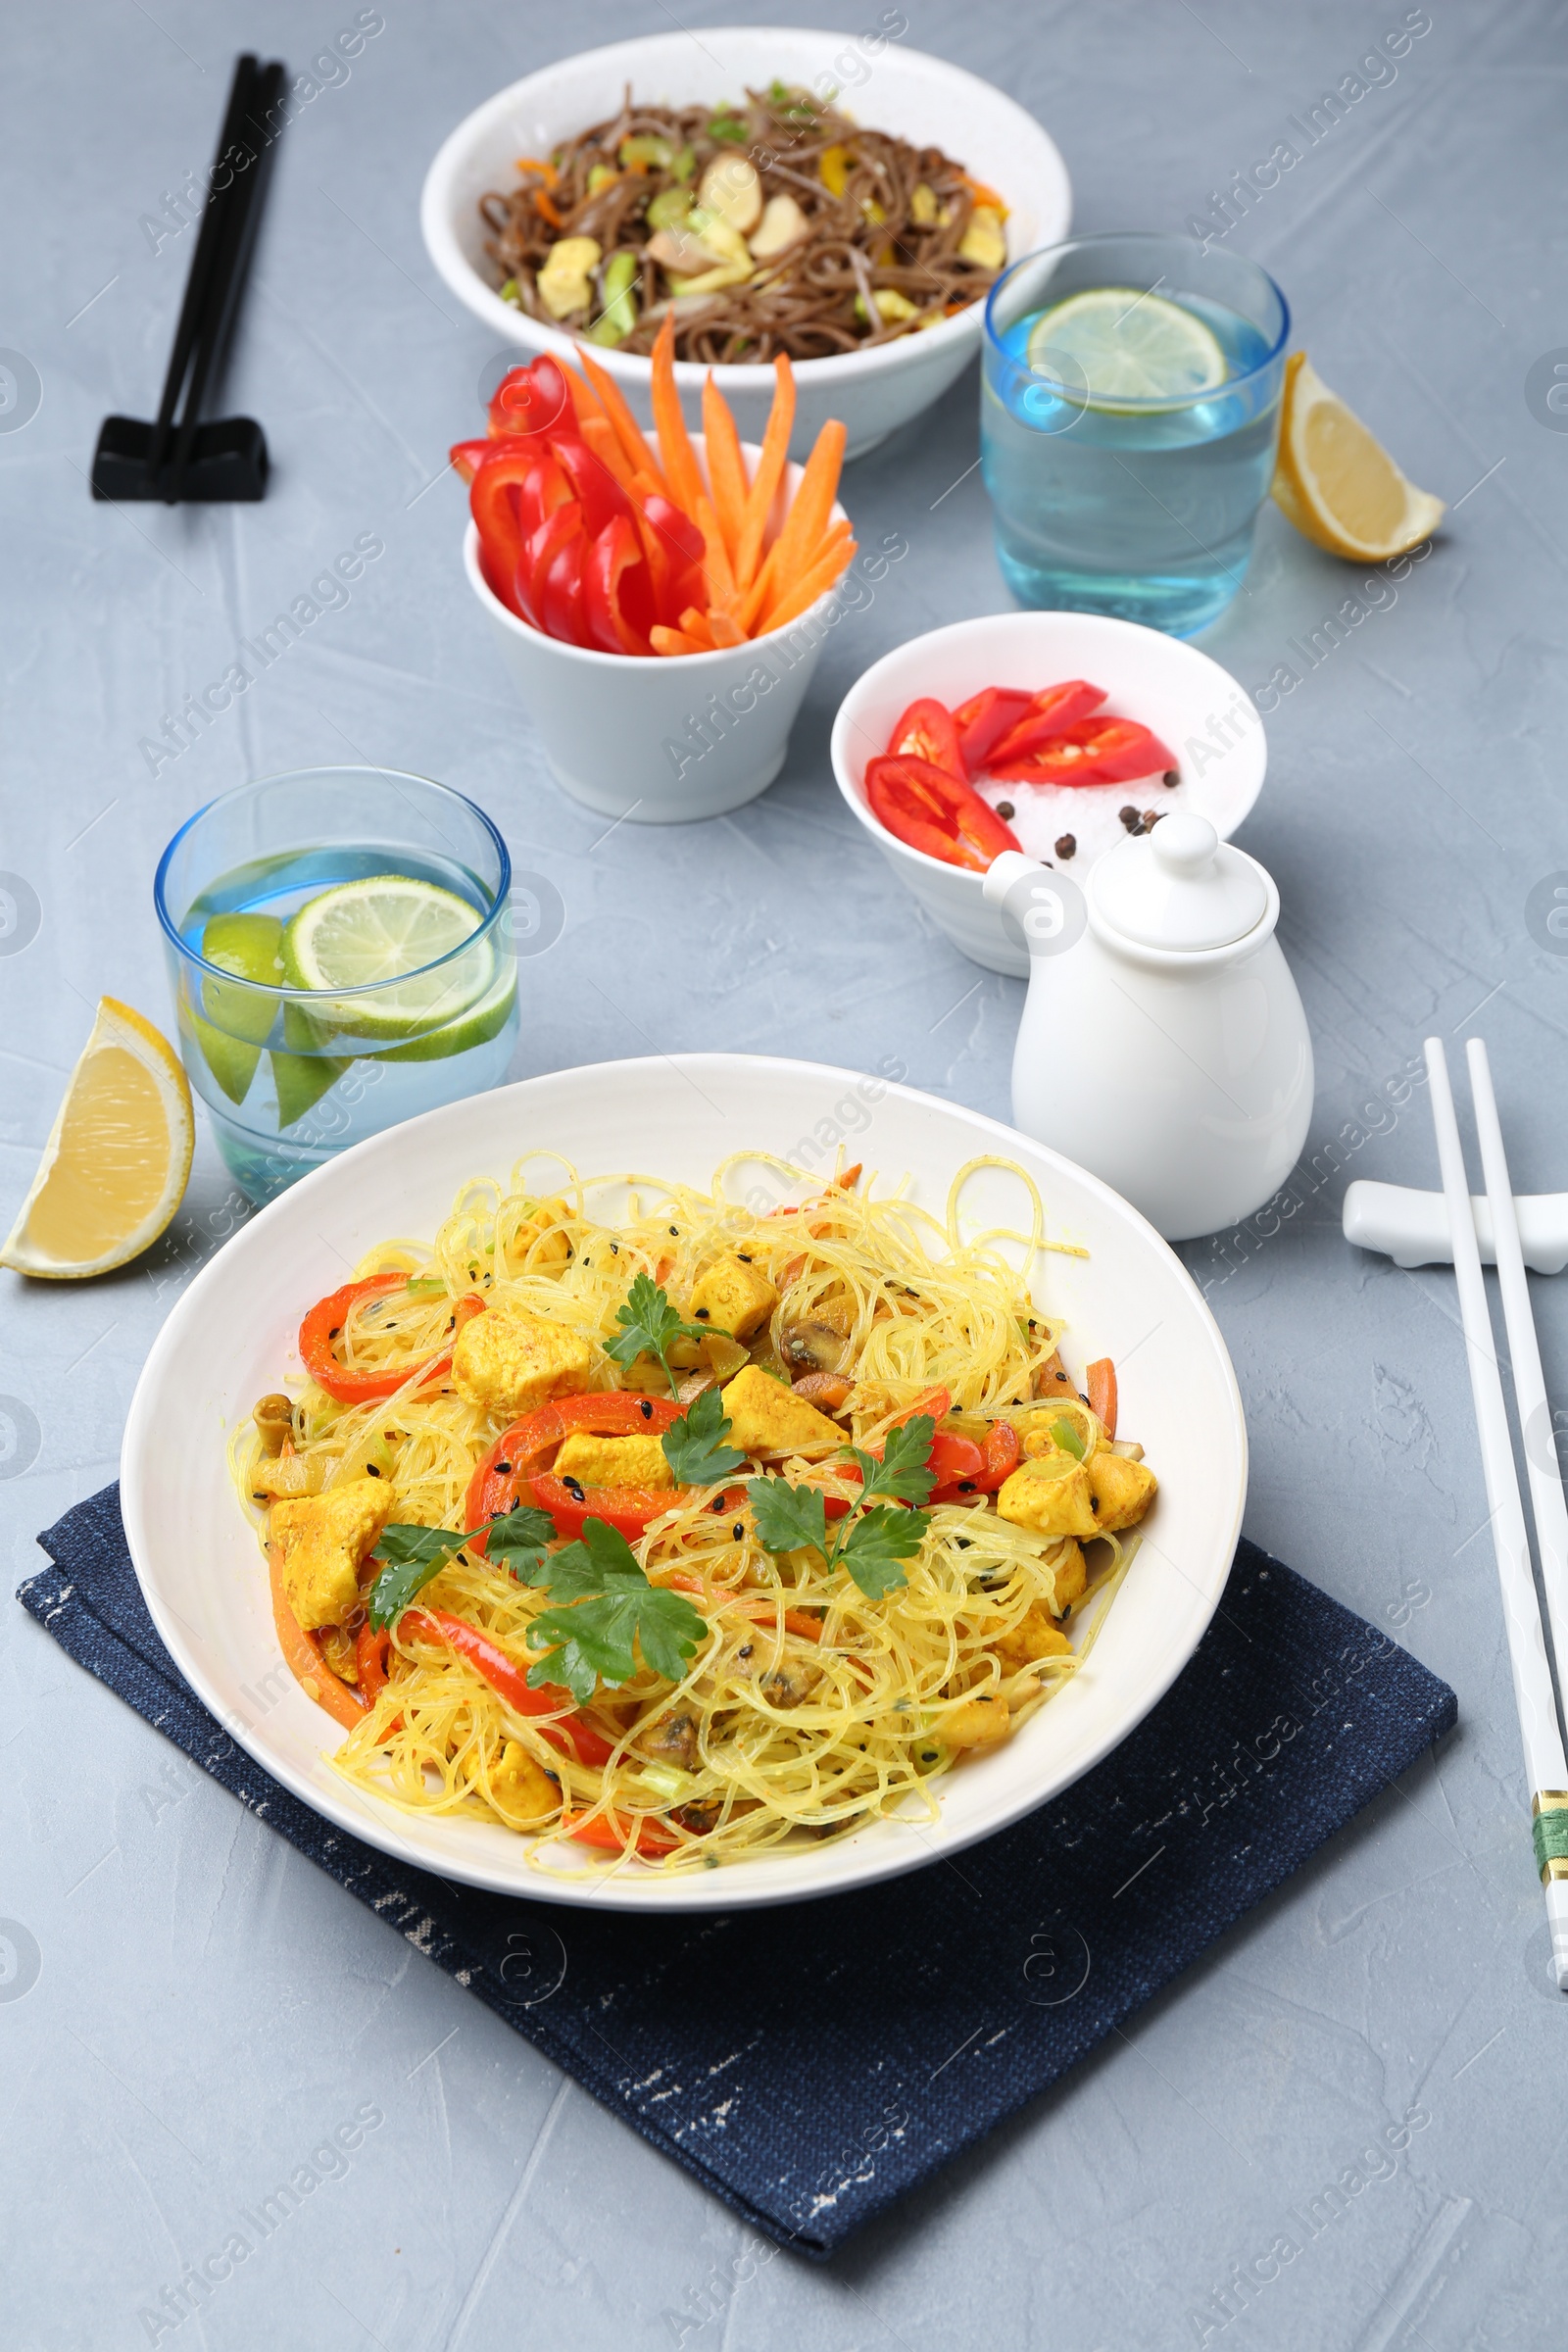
(876, 1542)
(693, 1445)
(650, 1326)
(413, 1555)
(902, 1470)
(608, 1606)
(788, 1518)
(519, 1541)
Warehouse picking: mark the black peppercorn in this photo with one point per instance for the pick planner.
(1067, 846)
(1172, 776)
(1006, 811)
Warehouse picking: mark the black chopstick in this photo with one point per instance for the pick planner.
(230, 259)
(215, 215)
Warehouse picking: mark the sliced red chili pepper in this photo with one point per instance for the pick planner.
(617, 597)
(984, 720)
(931, 810)
(570, 1734)
(927, 731)
(1097, 751)
(512, 1470)
(999, 1462)
(1049, 712)
(326, 1319)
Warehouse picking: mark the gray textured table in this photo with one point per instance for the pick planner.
(208, 2007)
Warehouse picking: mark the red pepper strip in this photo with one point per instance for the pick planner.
(676, 550)
(984, 720)
(302, 1654)
(795, 1621)
(999, 1464)
(558, 585)
(507, 471)
(509, 1681)
(370, 1653)
(1057, 706)
(616, 594)
(1097, 751)
(629, 1510)
(650, 1837)
(1099, 1387)
(595, 487)
(952, 1457)
(931, 810)
(531, 400)
(468, 455)
(502, 1479)
(326, 1319)
(928, 731)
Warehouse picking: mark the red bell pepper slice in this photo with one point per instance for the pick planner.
(984, 720)
(513, 1470)
(1049, 712)
(558, 582)
(1097, 751)
(468, 455)
(531, 400)
(616, 596)
(594, 486)
(326, 1319)
(629, 1510)
(993, 1468)
(513, 493)
(676, 550)
(952, 1457)
(510, 1681)
(928, 731)
(614, 1837)
(933, 812)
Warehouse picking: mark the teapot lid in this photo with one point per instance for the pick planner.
(1179, 886)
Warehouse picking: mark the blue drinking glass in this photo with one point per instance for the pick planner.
(1142, 508)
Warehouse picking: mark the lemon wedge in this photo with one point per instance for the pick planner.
(117, 1159)
(1339, 486)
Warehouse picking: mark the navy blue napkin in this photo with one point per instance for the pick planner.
(813, 2064)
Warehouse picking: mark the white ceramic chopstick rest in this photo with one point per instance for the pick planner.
(1412, 1227)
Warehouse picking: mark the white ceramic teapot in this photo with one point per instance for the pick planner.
(1163, 1045)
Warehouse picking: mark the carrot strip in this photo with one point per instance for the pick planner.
(811, 507)
(810, 587)
(757, 595)
(696, 625)
(726, 467)
(542, 164)
(770, 473)
(717, 566)
(302, 1654)
(679, 459)
(583, 397)
(546, 205)
(674, 641)
(725, 627)
(633, 440)
(1100, 1385)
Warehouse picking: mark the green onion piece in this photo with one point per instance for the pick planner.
(685, 163)
(670, 209)
(1067, 1438)
(647, 148)
(510, 293)
(619, 312)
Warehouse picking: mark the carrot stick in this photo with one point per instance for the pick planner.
(583, 399)
(629, 431)
(829, 559)
(811, 505)
(754, 598)
(302, 1654)
(674, 641)
(811, 586)
(696, 625)
(679, 459)
(726, 467)
(1100, 1385)
(720, 579)
(725, 627)
(770, 474)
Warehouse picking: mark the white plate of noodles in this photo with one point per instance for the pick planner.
(816, 1545)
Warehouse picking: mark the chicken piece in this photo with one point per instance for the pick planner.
(767, 1417)
(1121, 1491)
(545, 1218)
(520, 1788)
(323, 1540)
(507, 1360)
(1034, 1637)
(1072, 1578)
(613, 1461)
(290, 1475)
(732, 1294)
(1057, 1505)
(978, 1722)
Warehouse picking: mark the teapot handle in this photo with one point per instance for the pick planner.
(1047, 905)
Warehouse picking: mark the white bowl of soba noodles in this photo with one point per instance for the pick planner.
(686, 1483)
(839, 197)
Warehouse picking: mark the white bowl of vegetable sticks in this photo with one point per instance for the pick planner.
(887, 87)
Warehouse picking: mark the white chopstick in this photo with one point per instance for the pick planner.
(1545, 1765)
(1547, 1500)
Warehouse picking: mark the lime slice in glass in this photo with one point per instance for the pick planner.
(1128, 345)
(486, 1021)
(384, 932)
(234, 1018)
(302, 1075)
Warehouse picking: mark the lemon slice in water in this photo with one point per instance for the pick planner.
(1128, 346)
(385, 932)
(118, 1156)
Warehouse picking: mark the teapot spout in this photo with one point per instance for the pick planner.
(1047, 905)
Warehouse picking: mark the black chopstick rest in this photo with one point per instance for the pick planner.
(225, 460)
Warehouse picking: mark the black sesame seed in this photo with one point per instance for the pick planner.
(717, 1503)
(648, 1408)
(1067, 846)
(614, 1249)
(967, 1486)
(743, 1259)
(702, 1313)
(335, 1331)
(575, 1490)
(745, 1650)
(738, 1529)
(1005, 810)
(675, 1229)
(1172, 776)
(504, 1469)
